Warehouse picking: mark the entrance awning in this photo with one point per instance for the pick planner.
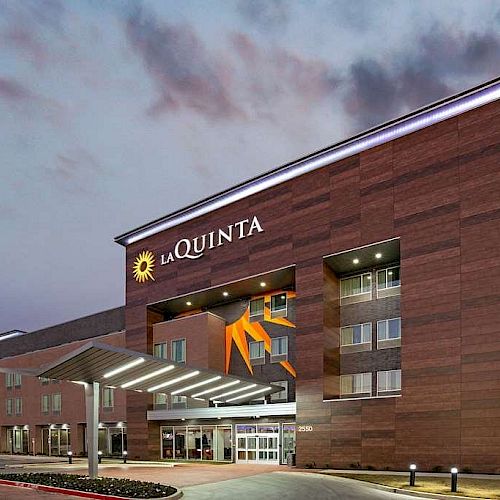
(130, 370)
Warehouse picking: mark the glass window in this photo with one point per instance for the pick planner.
(179, 402)
(108, 397)
(355, 285)
(160, 400)
(17, 379)
(160, 350)
(44, 380)
(389, 329)
(19, 406)
(9, 380)
(282, 395)
(388, 278)
(389, 381)
(257, 307)
(179, 350)
(45, 403)
(9, 406)
(279, 346)
(256, 349)
(357, 383)
(278, 302)
(56, 404)
(356, 334)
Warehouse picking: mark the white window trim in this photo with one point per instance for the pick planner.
(356, 294)
(273, 354)
(386, 321)
(250, 351)
(386, 269)
(166, 349)
(379, 391)
(357, 343)
(263, 307)
(359, 392)
(172, 350)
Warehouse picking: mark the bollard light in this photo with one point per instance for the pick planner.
(454, 479)
(99, 456)
(413, 468)
(125, 453)
(70, 457)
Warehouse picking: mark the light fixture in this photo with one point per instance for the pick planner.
(189, 303)
(241, 389)
(454, 479)
(219, 387)
(355, 261)
(369, 277)
(148, 376)
(259, 391)
(378, 255)
(174, 381)
(389, 273)
(124, 368)
(194, 386)
(283, 296)
(225, 294)
(413, 468)
(262, 284)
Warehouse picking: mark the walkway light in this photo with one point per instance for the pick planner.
(70, 457)
(454, 479)
(99, 456)
(125, 453)
(413, 468)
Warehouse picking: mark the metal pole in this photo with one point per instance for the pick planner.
(92, 411)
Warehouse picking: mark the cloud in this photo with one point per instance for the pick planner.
(265, 14)
(438, 65)
(13, 91)
(185, 73)
(75, 171)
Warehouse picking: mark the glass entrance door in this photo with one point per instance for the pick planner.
(257, 443)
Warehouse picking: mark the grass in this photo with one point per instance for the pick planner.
(467, 487)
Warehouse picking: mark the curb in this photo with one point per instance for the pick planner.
(83, 494)
(402, 491)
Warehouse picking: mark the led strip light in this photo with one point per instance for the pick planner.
(148, 376)
(124, 368)
(194, 386)
(174, 381)
(218, 388)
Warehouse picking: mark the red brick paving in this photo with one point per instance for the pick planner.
(13, 493)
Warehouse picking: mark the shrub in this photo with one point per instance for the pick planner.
(437, 468)
(104, 485)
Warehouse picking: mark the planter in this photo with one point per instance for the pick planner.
(82, 494)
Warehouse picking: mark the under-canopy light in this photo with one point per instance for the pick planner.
(259, 391)
(218, 388)
(174, 381)
(148, 376)
(124, 367)
(235, 391)
(194, 386)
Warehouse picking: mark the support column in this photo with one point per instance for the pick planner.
(92, 412)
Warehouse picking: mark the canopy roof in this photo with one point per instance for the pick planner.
(122, 368)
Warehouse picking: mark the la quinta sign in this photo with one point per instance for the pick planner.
(196, 247)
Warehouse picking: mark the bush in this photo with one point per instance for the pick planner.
(104, 485)
(437, 468)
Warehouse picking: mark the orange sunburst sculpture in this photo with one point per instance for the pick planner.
(238, 331)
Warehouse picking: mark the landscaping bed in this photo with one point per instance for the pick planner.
(104, 486)
(467, 487)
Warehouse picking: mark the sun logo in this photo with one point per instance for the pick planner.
(143, 266)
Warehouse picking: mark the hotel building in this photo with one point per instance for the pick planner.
(362, 281)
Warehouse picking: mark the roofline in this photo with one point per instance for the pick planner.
(381, 134)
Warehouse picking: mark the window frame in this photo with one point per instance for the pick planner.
(388, 342)
(256, 360)
(358, 393)
(9, 381)
(386, 270)
(281, 312)
(18, 380)
(385, 373)
(9, 407)
(165, 345)
(45, 397)
(256, 315)
(274, 395)
(180, 403)
(282, 356)
(18, 406)
(184, 350)
(111, 391)
(56, 411)
(370, 279)
(357, 343)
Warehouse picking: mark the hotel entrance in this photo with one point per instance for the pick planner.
(257, 443)
(55, 441)
(18, 440)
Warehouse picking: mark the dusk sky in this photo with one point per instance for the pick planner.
(115, 113)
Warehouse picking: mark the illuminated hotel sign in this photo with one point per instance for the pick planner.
(196, 247)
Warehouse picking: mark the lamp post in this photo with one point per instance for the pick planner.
(454, 479)
(413, 468)
(99, 456)
(125, 453)
(70, 457)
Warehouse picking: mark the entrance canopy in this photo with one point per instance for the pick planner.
(121, 368)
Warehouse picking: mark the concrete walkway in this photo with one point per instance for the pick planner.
(11, 493)
(289, 486)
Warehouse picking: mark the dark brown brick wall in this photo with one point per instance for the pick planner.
(436, 189)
